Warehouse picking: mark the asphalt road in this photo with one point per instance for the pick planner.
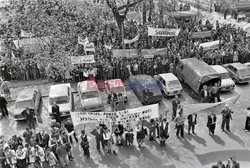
(197, 151)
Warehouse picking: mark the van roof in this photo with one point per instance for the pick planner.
(59, 90)
(239, 66)
(219, 69)
(168, 76)
(115, 82)
(26, 94)
(87, 85)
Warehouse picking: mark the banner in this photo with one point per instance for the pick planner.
(83, 59)
(89, 47)
(202, 34)
(125, 116)
(83, 41)
(132, 40)
(25, 34)
(163, 32)
(208, 107)
(128, 53)
(210, 45)
(150, 53)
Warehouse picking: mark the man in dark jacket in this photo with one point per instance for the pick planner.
(71, 130)
(192, 120)
(29, 114)
(164, 131)
(3, 106)
(211, 122)
(98, 133)
(56, 112)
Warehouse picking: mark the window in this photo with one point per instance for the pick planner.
(59, 100)
(24, 104)
(89, 95)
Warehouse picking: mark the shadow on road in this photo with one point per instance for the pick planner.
(218, 140)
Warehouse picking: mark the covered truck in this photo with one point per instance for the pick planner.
(196, 74)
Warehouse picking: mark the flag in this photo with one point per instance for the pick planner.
(89, 47)
(26, 34)
(83, 41)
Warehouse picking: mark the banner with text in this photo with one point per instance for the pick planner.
(202, 34)
(129, 53)
(125, 116)
(89, 47)
(83, 59)
(150, 53)
(163, 32)
(210, 45)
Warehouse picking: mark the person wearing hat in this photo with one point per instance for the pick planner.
(226, 117)
(56, 112)
(192, 121)
(247, 123)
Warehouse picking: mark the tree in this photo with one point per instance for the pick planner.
(121, 12)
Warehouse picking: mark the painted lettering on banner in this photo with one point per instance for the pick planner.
(163, 32)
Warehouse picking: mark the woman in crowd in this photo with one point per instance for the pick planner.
(140, 134)
(85, 143)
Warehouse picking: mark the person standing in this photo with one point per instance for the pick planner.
(10, 156)
(214, 93)
(4, 88)
(29, 114)
(152, 129)
(140, 134)
(247, 124)
(211, 122)
(192, 121)
(232, 163)
(27, 135)
(226, 117)
(164, 131)
(3, 106)
(40, 154)
(204, 94)
(62, 153)
(56, 112)
(51, 158)
(179, 120)
(98, 133)
(21, 156)
(175, 103)
(85, 143)
(71, 130)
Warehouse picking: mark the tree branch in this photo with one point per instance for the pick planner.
(129, 4)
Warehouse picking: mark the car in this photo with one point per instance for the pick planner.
(239, 72)
(169, 83)
(62, 95)
(247, 64)
(90, 96)
(27, 98)
(117, 86)
(227, 83)
(139, 83)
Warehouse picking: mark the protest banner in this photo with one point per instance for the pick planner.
(163, 32)
(210, 45)
(200, 35)
(125, 116)
(26, 34)
(132, 40)
(208, 107)
(83, 59)
(89, 47)
(128, 53)
(150, 53)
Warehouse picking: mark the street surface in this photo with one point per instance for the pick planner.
(197, 151)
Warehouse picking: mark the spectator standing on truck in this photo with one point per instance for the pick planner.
(56, 112)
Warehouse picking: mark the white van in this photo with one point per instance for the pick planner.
(90, 96)
(62, 95)
(169, 84)
(227, 83)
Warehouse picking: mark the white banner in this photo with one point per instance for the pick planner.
(163, 32)
(208, 107)
(83, 59)
(89, 47)
(210, 45)
(83, 41)
(125, 116)
(26, 34)
(132, 40)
